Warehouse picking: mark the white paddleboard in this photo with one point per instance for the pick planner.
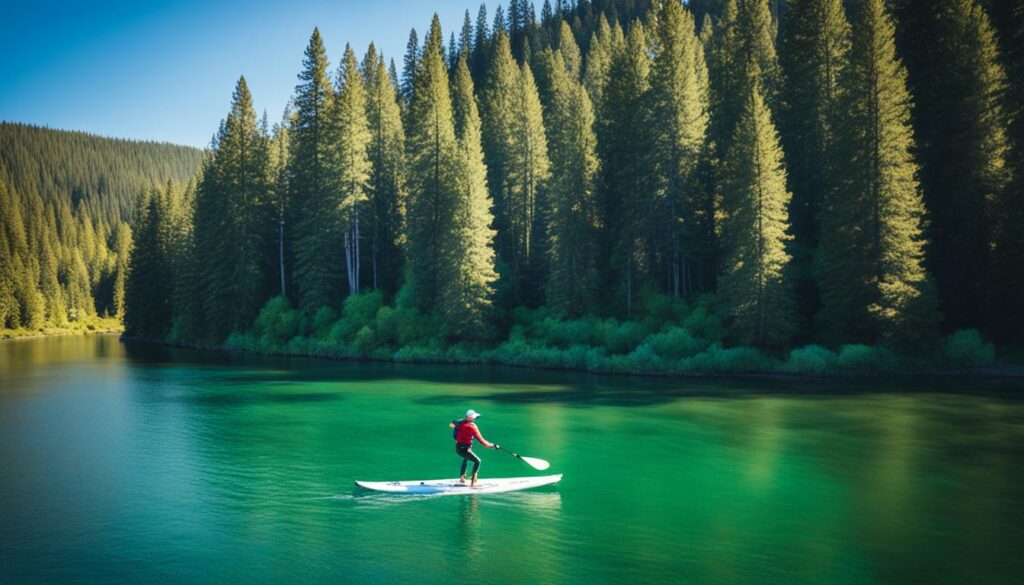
(452, 487)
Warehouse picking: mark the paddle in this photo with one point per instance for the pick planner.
(538, 464)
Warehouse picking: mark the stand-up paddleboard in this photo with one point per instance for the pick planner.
(452, 487)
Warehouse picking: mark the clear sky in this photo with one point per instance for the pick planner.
(163, 70)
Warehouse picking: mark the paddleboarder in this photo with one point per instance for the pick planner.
(464, 433)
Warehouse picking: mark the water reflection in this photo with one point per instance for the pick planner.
(175, 466)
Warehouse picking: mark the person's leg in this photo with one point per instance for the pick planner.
(462, 472)
(470, 455)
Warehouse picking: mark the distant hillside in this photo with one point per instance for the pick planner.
(66, 199)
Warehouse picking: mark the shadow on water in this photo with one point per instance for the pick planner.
(525, 386)
(247, 398)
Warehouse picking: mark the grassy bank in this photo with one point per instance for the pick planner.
(672, 338)
(92, 325)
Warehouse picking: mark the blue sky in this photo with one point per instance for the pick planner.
(165, 71)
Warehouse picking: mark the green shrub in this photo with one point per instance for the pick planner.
(386, 325)
(811, 359)
(703, 321)
(365, 341)
(660, 310)
(357, 312)
(861, 358)
(728, 360)
(645, 359)
(323, 320)
(675, 343)
(622, 337)
(276, 324)
(420, 353)
(966, 349)
(243, 342)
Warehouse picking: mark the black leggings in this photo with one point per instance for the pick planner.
(467, 454)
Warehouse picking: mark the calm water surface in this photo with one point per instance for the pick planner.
(126, 464)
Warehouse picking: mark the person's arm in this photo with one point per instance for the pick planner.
(479, 437)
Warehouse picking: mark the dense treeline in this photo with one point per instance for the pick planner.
(657, 178)
(66, 199)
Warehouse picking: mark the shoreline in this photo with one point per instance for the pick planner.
(999, 371)
(10, 334)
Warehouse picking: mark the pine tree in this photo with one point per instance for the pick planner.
(753, 285)
(351, 166)
(467, 295)
(147, 291)
(1007, 313)
(480, 56)
(679, 120)
(232, 223)
(315, 234)
(874, 286)
(433, 175)
(958, 84)
(466, 37)
(569, 50)
(599, 58)
(499, 25)
(572, 283)
(410, 63)
(386, 186)
(814, 52)
(123, 250)
(624, 154)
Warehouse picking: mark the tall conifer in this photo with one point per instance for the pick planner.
(572, 222)
(387, 174)
(873, 283)
(814, 53)
(753, 286)
(350, 164)
(315, 230)
(467, 294)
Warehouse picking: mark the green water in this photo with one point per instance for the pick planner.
(150, 465)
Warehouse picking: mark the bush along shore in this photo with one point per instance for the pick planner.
(672, 339)
(83, 326)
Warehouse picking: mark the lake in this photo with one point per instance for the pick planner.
(140, 464)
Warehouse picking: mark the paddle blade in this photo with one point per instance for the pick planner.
(538, 464)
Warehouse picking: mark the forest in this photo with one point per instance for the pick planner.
(66, 202)
(618, 185)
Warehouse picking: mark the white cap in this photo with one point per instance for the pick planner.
(471, 414)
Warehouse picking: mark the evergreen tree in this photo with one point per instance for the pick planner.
(958, 84)
(351, 166)
(315, 234)
(466, 37)
(516, 154)
(234, 221)
(873, 283)
(480, 55)
(814, 52)
(409, 66)
(679, 120)
(624, 149)
(753, 284)
(147, 291)
(468, 291)
(387, 174)
(1007, 286)
(572, 283)
(569, 50)
(433, 180)
(599, 59)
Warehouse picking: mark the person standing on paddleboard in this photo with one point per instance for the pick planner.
(464, 433)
